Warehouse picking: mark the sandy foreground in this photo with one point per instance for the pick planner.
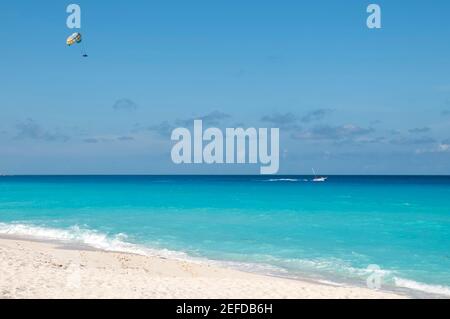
(31, 269)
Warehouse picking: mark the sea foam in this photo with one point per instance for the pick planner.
(414, 285)
(91, 238)
(118, 243)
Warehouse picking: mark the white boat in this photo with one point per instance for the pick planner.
(318, 178)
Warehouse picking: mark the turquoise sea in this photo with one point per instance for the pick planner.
(283, 226)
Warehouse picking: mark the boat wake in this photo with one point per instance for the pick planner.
(282, 180)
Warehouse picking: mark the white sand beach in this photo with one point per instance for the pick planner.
(32, 269)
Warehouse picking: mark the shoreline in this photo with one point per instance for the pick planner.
(34, 268)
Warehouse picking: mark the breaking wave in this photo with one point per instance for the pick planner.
(267, 265)
(91, 238)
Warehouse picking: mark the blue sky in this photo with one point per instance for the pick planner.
(348, 100)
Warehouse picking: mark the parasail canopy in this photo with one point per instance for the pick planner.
(74, 38)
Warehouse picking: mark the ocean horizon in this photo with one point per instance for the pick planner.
(282, 225)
